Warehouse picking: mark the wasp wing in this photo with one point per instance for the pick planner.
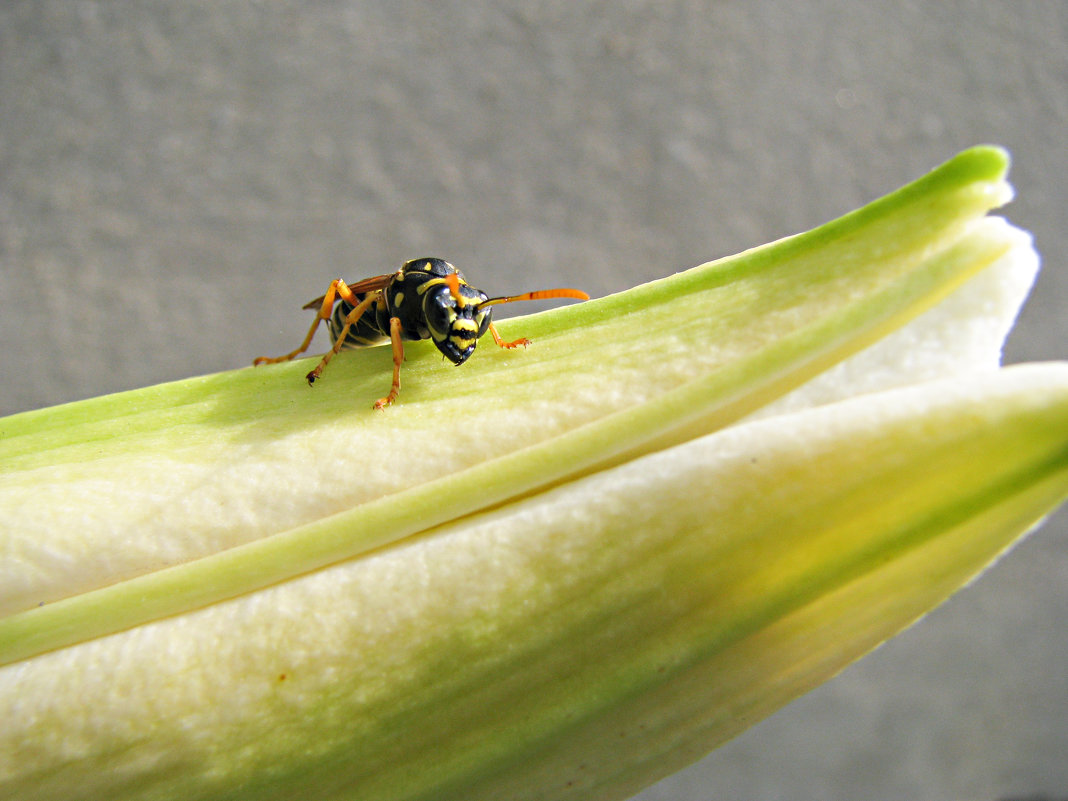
(366, 285)
(371, 284)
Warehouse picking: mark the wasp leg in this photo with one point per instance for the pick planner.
(398, 357)
(351, 319)
(337, 289)
(497, 338)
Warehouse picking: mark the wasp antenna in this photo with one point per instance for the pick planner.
(541, 294)
(453, 281)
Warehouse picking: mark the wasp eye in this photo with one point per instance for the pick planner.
(440, 312)
(483, 318)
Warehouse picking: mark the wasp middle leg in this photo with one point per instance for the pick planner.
(398, 357)
(351, 319)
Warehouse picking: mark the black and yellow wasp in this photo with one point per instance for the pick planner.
(425, 299)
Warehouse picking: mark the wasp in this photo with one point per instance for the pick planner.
(425, 299)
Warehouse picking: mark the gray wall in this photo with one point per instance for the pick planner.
(177, 178)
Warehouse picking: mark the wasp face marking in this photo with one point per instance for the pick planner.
(455, 321)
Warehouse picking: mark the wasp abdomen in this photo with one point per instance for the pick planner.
(362, 335)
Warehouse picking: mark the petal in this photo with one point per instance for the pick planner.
(244, 479)
(579, 643)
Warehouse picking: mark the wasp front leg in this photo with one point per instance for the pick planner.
(337, 289)
(398, 357)
(500, 341)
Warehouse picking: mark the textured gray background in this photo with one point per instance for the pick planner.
(177, 178)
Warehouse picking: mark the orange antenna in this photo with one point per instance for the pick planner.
(542, 294)
(453, 281)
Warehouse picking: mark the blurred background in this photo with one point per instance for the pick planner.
(177, 179)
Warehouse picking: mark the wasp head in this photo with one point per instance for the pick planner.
(456, 319)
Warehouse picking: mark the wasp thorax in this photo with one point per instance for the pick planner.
(456, 321)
